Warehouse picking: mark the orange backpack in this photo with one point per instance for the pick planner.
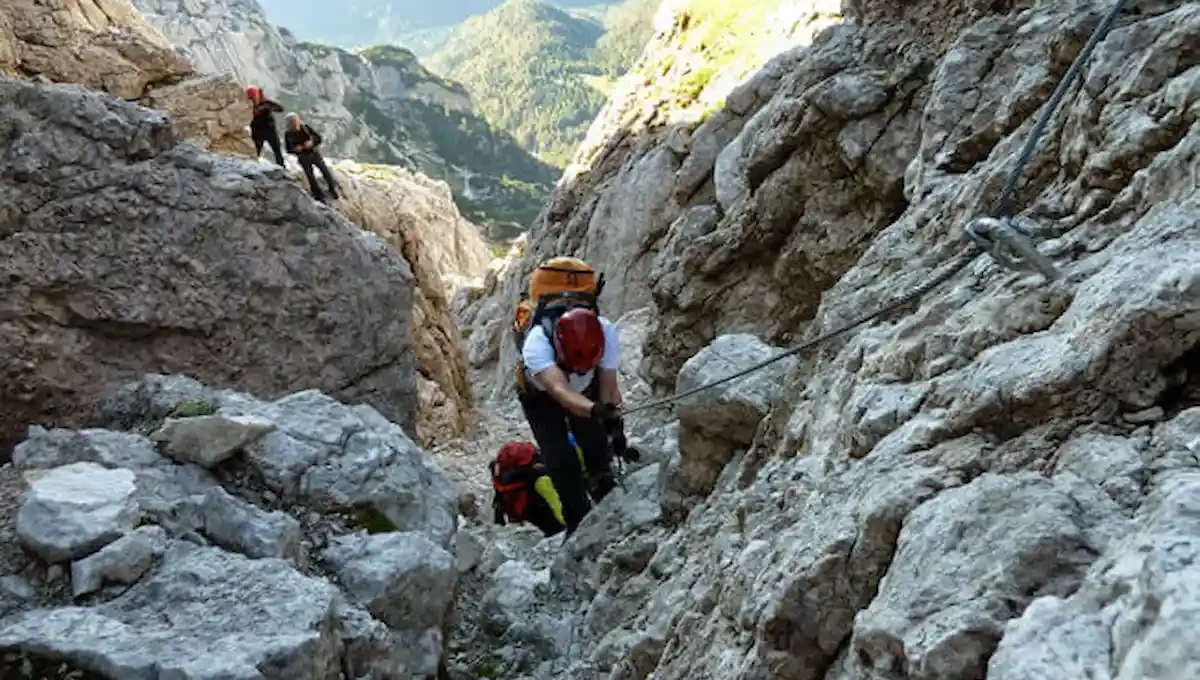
(556, 285)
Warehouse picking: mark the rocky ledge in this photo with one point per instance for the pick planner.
(107, 45)
(125, 251)
(207, 534)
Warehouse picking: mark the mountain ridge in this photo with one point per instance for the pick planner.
(380, 105)
(360, 23)
(542, 73)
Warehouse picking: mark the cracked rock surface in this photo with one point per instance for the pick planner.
(316, 550)
(126, 249)
(73, 510)
(997, 481)
(107, 45)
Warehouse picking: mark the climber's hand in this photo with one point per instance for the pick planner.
(617, 441)
(631, 455)
(603, 413)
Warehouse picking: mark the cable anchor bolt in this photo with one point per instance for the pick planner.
(1010, 246)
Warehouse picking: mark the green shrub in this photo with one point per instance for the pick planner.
(194, 408)
(375, 522)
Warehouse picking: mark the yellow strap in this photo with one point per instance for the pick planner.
(545, 488)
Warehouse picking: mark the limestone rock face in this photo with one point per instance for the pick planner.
(123, 249)
(378, 105)
(995, 481)
(99, 44)
(107, 45)
(418, 218)
(210, 108)
(258, 568)
(76, 509)
(243, 615)
(638, 199)
(1104, 628)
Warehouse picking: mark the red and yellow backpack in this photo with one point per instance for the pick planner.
(513, 490)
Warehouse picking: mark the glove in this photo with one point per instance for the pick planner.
(604, 413)
(617, 441)
(631, 455)
(614, 423)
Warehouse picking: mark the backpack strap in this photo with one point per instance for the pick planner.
(561, 302)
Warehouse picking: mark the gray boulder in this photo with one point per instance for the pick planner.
(205, 615)
(135, 251)
(404, 579)
(45, 449)
(337, 457)
(321, 452)
(372, 650)
(390, 620)
(243, 527)
(468, 551)
(210, 440)
(72, 511)
(716, 423)
(510, 595)
(125, 560)
(408, 584)
(168, 494)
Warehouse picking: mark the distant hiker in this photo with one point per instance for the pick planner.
(522, 491)
(262, 125)
(567, 381)
(303, 141)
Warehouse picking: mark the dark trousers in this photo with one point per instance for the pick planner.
(550, 424)
(269, 137)
(309, 160)
(541, 515)
(537, 511)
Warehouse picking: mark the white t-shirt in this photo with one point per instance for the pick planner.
(538, 355)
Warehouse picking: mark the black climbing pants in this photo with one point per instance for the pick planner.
(541, 515)
(309, 160)
(268, 137)
(550, 424)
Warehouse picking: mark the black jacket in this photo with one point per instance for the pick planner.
(294, 139)
(264, 116)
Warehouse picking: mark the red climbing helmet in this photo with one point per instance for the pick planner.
(252, 92)
(579, 339)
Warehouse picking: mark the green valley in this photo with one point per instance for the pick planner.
(540, 72)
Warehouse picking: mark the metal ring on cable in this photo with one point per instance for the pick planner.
(1010, 246)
